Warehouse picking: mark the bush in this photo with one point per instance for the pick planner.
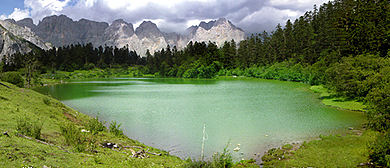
(196, 164)
(380, 150)
(29, 127)
(47, 101)
(12, 77)
(223, 159)
(73, 136)
(115, 129)
(95, 126)
(378, 99)
(287, 146)
(272, 154)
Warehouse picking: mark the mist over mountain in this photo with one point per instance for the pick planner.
(62, 30)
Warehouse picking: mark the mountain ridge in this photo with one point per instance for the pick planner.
(62, 30)
(17, 39)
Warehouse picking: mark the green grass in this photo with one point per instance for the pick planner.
(330, 151)
(17, 151)
(338, 102)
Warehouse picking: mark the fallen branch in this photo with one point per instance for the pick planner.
(132, 147)
(157, 154)
(5, 85)
(147, 151)
(6, 134)
(39, 141)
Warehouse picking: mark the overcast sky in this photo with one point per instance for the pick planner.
(253, 16)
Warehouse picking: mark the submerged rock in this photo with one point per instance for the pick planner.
(236, 149)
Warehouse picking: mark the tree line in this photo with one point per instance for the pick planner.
(74, 57)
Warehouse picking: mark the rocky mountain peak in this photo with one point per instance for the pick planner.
(118, 22)
(118, 29)
(28, 22)
(147, 29)
(217, 31)
(15, 38)
(121, 24)
(213, 23)
(207, 26)
(62, 30)
(54, 21)
(225, 22)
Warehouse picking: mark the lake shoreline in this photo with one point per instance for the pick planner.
(326, 97)
(235, 78)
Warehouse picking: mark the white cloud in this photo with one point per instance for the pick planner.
(54, 5)
(267, 18)
(3, 17)
(42, 8)
(302, 5)
(19, 14)
(172, 15)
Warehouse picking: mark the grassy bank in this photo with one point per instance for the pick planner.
(349, 150)
(18, 105)
(330, 151)
(339, 102)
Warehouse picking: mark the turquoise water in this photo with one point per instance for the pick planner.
(170, 113)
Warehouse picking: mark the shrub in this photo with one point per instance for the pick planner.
(29, 127)
(12, 77)
(46, 100)
(223, 159)
(95, 126)
(380, 150)
(73, 136)
(115, 129)
(272, 154)
(196, 164)
(287, 146)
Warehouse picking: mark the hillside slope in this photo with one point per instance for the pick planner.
(18, 104)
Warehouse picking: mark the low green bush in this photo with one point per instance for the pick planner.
(95, 126)
(115, 129)
(47, 101)
(29, 127)
(273, 154)
(380, 150)
(287, 146)
(223, 159)
(12, 77)
(73, 136)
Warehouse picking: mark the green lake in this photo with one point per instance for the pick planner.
(169, 113)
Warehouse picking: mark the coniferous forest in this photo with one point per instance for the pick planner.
(342, 44)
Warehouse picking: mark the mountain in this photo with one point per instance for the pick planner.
(62, 30)
(217, 31)
(15, 39)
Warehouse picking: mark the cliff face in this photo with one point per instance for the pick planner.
(10, 44)
(15, 39)
(216, 31)
(61, 30)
